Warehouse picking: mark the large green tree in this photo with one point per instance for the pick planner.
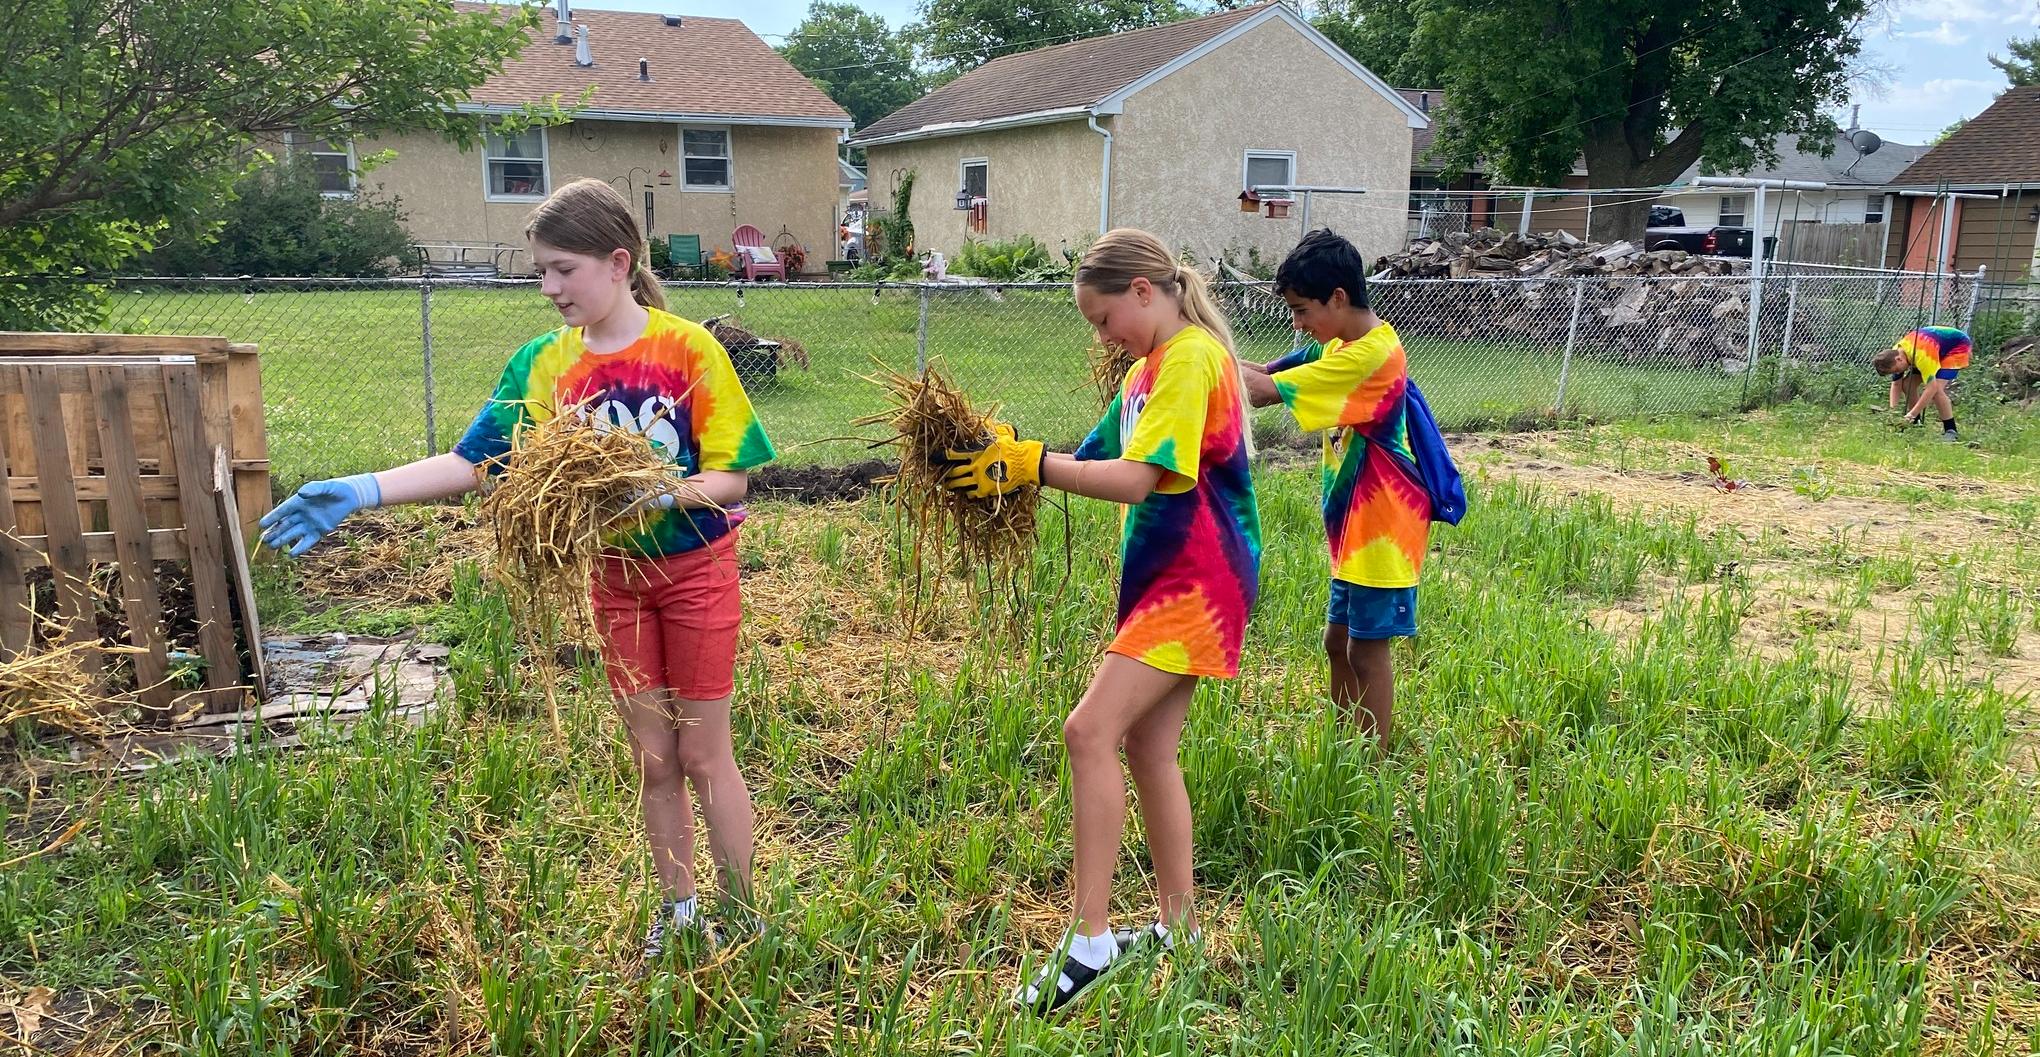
(959, 35)
(129, 119)
(2023, 66)
(1378, 33)
(1640, 88)
(866, 67)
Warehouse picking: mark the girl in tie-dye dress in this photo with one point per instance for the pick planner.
(1172, 448)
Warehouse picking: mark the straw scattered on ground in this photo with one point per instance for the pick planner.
(48, 685)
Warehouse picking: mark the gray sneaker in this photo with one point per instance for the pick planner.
(1951, 436)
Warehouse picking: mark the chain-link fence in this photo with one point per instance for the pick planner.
(361, 375)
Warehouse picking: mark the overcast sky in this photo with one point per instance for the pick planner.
(1933, 54)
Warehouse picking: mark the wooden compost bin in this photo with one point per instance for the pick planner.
(119, 451)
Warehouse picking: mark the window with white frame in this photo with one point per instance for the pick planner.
(331, 162)
(1265, 168)
(975, 178)
(1873, 209)
(1734, 211)
(517, 164)
(705, 159)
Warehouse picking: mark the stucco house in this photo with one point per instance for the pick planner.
(1158, 128)
(699, 123)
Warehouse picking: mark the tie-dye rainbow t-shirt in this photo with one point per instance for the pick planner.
(675, 384)
(1935, 349)
(1377, 514)
(1190, 552)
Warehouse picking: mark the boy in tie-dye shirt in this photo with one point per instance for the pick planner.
(1350, 382)
(1172, 450)
(1922, 365)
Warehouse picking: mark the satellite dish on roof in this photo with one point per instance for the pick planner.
(1865, 141)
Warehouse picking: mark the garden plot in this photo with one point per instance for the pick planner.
(1679, 832)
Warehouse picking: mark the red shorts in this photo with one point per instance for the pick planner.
(671, 622)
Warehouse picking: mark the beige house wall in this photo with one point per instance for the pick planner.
(780, 178)
(1040, 180)
(1179, 154)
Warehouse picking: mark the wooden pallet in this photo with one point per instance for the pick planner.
(119, 451)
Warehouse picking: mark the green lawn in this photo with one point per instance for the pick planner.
(344, 381)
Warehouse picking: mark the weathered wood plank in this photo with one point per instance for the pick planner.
(72, 571)
(16, 622)
(216, 640)
(15, 343)
(244, 580)
(123, 482)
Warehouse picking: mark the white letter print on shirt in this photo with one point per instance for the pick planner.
(653, 418)
(1129, 417)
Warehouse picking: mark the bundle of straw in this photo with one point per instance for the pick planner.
(49, 685)
(929, 416)
(565, 482)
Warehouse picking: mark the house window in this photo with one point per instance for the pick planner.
(517, 165)
(975, 177)
(1734, 211)
(705, 159)
(1873, 210)
(331, 161)
(1267, 168)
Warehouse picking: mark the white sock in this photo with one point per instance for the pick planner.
(1094, 951)
(684, 911)
(1168, 935)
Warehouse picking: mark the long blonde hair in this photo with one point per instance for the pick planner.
(1124, 254)
(588, 217)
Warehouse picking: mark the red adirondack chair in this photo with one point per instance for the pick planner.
(755, 259)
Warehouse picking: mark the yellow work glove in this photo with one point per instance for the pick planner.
(1005, 463)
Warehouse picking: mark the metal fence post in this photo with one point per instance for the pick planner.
(425, 326)
(1791, 309)
(921, 340)
(1572, 331)
(1975, 294)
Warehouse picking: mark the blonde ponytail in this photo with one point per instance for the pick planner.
(1201, 308)
(644, 286)
(1124, 254)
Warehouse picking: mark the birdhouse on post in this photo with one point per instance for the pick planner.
(1278, 208)
(1250, 201)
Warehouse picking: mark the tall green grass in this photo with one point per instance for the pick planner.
(1577, 844)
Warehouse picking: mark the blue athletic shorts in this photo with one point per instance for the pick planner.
(1374, 612)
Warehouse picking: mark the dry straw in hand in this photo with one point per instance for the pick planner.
(992, 537)
(566, 481)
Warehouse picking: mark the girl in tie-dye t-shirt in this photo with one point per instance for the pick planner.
(1172, 448)
(666, 593)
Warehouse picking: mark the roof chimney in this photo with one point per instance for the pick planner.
(1424, 101)
(565, 35)
(1855, 116)
(582, 56)
(644, 70)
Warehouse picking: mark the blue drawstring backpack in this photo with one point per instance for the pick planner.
(1434, 469)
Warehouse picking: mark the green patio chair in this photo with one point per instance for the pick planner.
(686, 252)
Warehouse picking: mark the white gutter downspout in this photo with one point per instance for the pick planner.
(1105, 175)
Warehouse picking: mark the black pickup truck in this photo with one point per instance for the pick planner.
(1668, 231)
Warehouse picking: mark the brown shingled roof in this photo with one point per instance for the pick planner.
(2000, 145)
(714, 67)
(1076, 74)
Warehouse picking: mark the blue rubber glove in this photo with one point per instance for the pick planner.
(300, 521)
